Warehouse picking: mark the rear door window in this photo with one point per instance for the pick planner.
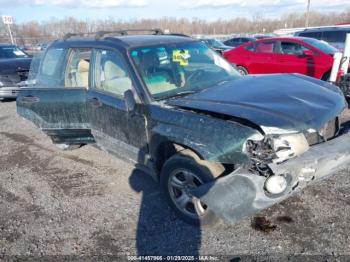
(52, 67)
(78, 67)
(292, 48)
(51, 61)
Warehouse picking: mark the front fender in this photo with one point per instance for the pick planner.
(214, 140)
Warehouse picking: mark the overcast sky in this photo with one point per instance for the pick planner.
(24, 10)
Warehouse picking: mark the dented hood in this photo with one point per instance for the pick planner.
(283, 101)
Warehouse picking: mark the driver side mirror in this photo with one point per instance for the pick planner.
(308, 53)
(130, 101)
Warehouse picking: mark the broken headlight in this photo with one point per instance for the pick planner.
(276, 148)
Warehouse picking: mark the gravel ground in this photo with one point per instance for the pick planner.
(84, 203)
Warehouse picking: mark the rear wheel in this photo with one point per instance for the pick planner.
(181, 173)
(242, 70)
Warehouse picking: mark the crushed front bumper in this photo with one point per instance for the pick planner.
(241, 193)
(9, 92)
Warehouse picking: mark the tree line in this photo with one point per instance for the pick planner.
(36, 32)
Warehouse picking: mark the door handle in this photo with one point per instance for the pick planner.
(30, 99)
(96, 102)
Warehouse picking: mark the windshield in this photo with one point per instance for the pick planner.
(323, 46)
(179, 69)
(8, 52)
(214, 42)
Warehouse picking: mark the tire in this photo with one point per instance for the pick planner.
(242, 70)
(179, 167)
(66, 147)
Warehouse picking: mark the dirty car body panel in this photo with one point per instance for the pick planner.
(257, 127)
(60, 112)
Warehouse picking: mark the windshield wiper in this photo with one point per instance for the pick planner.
(184, 93)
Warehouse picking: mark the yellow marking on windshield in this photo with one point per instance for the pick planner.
(181, 56)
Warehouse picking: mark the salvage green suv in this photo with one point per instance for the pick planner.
(220, 145)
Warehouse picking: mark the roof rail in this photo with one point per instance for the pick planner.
(156, 31)
(179, 34)
(70, 35)
(100, 34)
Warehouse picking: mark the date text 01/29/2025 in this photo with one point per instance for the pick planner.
(172, 258)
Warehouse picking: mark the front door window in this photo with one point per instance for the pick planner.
(110, 73)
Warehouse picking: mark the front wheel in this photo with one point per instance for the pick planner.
(181, 173)
(242, 70)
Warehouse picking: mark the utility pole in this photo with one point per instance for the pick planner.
(307, 13)
(10, 32)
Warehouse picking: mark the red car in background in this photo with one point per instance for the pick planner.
(301, 55)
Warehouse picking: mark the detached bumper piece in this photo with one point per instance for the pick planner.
(242, 193)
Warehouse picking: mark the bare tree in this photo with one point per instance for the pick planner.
(34, 32)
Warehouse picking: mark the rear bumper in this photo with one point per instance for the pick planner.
(9, 92)
(241, 193)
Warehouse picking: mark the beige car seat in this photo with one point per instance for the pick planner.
(115, 78)
(82, 75)
(157, 80)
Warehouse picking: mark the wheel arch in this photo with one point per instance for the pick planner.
(242, 66)
(210, 139)
(163, 149)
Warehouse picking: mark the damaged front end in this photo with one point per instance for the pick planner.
(280, 166)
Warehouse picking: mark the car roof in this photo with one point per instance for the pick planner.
(146, 40)
(5, 45)
(247, 37)
(322, 29)
(298, 38)
(128, 41)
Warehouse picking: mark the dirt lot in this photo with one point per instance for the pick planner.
(83, 203)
